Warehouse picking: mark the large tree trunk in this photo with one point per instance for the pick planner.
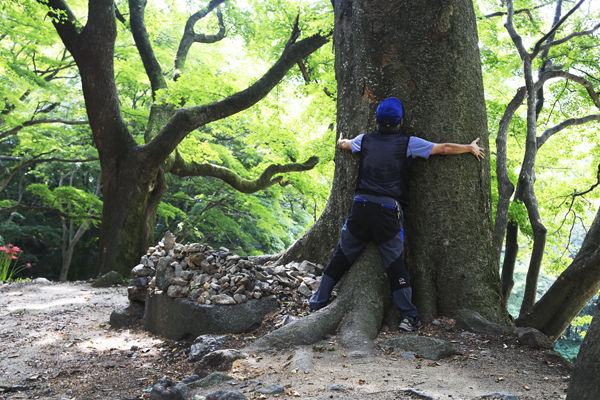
(573, 289)
(426, 55)
(585, 384)
(131, 197)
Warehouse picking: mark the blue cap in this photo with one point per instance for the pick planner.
(389, 110)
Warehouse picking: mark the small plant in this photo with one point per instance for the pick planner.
(8, 262)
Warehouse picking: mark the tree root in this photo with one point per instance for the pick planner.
(355, 315)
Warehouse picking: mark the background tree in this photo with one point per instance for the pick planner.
(428, 57)
(563, 56)
(584, 381)
(133, 174)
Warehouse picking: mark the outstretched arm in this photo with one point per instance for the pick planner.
(453, 148)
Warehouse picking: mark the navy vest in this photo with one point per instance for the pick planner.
(384, 166)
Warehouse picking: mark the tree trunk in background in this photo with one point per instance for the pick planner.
(573, 289)
(510, 259)
(131, 197)
(427, 55)
(585, 384)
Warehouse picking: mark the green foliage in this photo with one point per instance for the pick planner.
(583, 321)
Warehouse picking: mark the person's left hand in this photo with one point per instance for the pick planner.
(476, 150)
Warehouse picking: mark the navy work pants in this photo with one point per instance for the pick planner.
(382, 224)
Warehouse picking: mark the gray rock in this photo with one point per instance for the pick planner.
(179, 281)
(304, 290)
(473, 321)
(122, 317)
(109, 279)
(175, 318)
(534, 338)
(306, 267)
(408, 355)
(136, 293)
(496, 396)
(271, 388)
(239, 298)
(213, 379)
(205, 344)
(226, 395)
(141, 281)
(169, 241)
(142, 270)
(427, 347)
(302, 361)
(41, 281)
(177, 291)
(312, 283)
(164, 273)
(165, 389)
(222, 299)
(219, 360)
(287, 319)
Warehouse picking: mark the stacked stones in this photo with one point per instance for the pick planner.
(200, 273)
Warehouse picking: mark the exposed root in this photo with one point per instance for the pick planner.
(355, 315)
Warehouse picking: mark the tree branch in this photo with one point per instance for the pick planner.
(589, 87)
(565, 124)
(571, 36)
(142, 42)
(64, 21)
(510, 28)
(266, 179)
(16, 129)
(190, 36)
(539, 43)
(505, 186)
(186, 120)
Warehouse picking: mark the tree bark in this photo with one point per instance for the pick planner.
(573, 289)
(428, 57)
(510, 258)
(585, 384)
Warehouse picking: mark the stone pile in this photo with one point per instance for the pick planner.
(202, 274)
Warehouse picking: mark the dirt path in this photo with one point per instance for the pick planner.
(57, 344)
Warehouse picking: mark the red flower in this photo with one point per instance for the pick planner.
(28, 265)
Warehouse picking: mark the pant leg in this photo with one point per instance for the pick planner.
(392, 252)
(348, 249)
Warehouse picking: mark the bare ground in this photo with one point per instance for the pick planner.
(57, 344)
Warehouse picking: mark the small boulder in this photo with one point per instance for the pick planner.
(214, 379)
(142, 270)
(533, 338)
(205, 344)
(136, 293)
(220, 360)
(165, 389)
(122, 317)
(107, 280)
(271, 388)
